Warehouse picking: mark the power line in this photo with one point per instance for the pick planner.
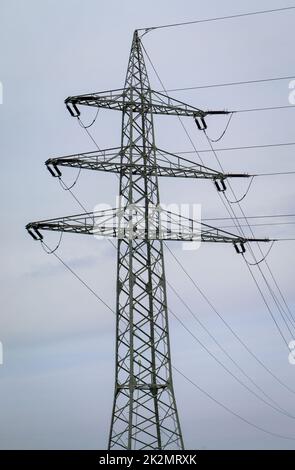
(181, 373)
(179, 118)
(136, 127)
(269, 216)
(278, 173)
(271, 108)
(227, 408)
(86, 129)
(217, 139)
(213, 356)
(239, 339)
(276, 301)
(281, 310)
(238, 379)
(77, 277)
(203, 295)
(245, 147)
(281, 410)
(277, 407)
(238, 111)
(218, 18)
(266, 303)
(274, 297)
(259, 225)
(245, 82)
(210, 304)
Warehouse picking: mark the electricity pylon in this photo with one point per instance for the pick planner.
(144, 411)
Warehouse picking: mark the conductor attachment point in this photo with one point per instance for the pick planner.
(240, 247)
(53, 169)
(34, 232)
(73, 109)
(201, 123)
(220, 184)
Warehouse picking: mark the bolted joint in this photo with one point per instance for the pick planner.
(148, 287)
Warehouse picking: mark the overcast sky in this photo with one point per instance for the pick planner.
(58, 374)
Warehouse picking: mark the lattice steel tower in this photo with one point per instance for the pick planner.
(143, 389)
(144, 412)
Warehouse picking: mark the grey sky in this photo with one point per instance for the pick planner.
(58, 374)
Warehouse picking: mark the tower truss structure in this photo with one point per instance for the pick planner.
(144, 412)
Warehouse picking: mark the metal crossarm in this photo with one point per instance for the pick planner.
(130, 225)
(121, 100)
(109, 160)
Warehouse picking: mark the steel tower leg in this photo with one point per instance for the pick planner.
(144, 411)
